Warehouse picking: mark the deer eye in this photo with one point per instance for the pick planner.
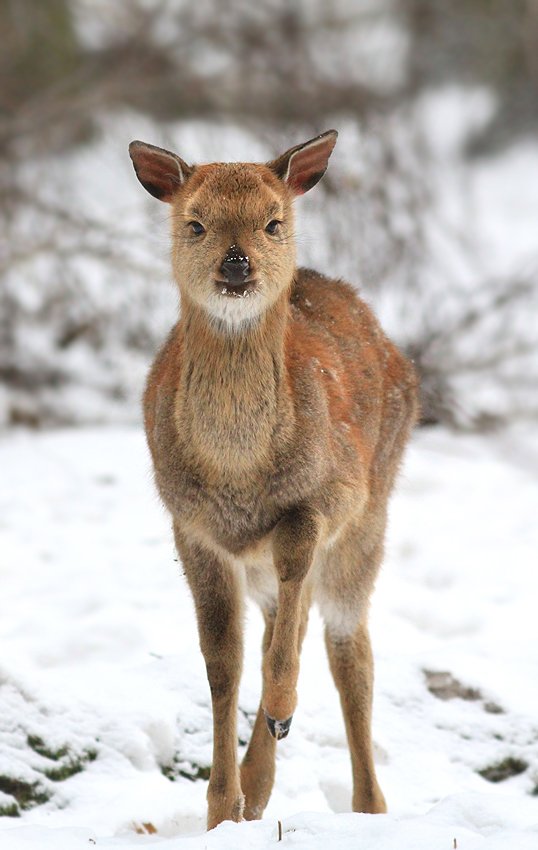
(272, 227)
(196, 228)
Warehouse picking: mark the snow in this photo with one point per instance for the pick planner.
(100, 660)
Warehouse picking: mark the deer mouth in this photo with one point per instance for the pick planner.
(237, 290)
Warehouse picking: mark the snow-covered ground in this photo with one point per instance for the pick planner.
(104, 704)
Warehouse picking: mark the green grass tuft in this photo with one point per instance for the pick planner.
(192, 772)
(504, 769)
(70, 767)
(11, 810)
(27, 794)
(38, 745)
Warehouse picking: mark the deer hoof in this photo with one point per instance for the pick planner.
(278, 728)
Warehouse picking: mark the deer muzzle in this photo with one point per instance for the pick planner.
(236, 270)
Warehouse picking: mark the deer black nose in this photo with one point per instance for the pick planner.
(235, 265)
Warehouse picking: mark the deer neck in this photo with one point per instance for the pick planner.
(233, 391)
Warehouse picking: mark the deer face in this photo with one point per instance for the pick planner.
(232, 224)
(233, 246)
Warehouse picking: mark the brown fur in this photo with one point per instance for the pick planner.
(275, 442)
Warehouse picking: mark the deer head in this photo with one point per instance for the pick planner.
(233, 240)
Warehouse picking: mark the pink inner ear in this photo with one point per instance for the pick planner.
(307, 166)
(159, 173)
(159, 166)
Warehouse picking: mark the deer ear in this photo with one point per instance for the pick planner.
(160, 172)
(304, 165)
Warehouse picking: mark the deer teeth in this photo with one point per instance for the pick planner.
(244, 294)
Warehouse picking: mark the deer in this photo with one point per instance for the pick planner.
(276, 415)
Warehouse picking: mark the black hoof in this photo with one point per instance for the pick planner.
(278, 728)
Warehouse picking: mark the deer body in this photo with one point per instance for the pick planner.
(276, 414)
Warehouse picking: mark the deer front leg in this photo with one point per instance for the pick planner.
(258, 767)
(218, 600)
(294, 545)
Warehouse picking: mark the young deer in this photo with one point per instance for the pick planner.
(276, 415)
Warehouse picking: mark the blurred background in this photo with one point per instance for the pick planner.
(430, 204)
(430, 207)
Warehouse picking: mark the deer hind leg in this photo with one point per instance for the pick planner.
(344, 606)
(258, 767)
(347, 582)
(218, 598)
(294, 545)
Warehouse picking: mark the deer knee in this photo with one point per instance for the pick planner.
(223, 678)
